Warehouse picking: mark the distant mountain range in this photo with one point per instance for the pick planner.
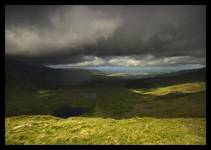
(19, 74)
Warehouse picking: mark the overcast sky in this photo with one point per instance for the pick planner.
(106, 35)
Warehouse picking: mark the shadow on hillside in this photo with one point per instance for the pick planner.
(168, 106)
(174, 105)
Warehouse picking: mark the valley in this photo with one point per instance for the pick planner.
(144, 112)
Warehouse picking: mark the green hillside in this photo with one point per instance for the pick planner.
(129, 117)
(159, 113)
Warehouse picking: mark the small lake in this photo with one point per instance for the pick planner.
(68, 111)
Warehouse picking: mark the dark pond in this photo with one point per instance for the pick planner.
(67, 111)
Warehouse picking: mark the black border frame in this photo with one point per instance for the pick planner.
(99, 2)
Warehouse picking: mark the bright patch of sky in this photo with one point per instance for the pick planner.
(146, 70)
(136, 64)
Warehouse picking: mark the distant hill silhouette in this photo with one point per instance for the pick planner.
(170, 78)
(32, 76)
(20, 74)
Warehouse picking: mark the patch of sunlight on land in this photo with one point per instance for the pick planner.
(179, 88)
(125, 74)
(44, 93)
(44, 129)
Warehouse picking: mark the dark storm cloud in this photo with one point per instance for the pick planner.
(164, 30)
(65, 34)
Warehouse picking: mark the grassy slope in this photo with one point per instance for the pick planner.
(144, 118)
(83, 130)
(115, 101)
(178, 88)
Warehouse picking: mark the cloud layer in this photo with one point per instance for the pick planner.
(114, 35)
(69, 29)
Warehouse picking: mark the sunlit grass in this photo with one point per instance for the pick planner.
(179, 88)
(83, 130)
